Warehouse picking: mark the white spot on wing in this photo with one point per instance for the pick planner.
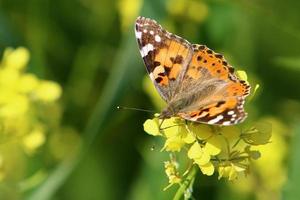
(145, 30)
(151, 32)
(151, 76)
(157, 38)
(138, 35)
(230, 112)
(215, 120)
(226, 123)
(146, 49)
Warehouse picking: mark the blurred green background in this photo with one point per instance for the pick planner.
(91, 150)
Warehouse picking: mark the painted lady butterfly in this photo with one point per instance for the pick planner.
(197, 83)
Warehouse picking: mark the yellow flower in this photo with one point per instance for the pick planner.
(173, 127)
(171, 168)
(27, 83)
(176, 133)
(174, 143)
(213, 145)
(33, 140)
(207, 169)
(230, 171)
(15, 58)
(197, 153)
(48, 91)
(15, 105)
(128, 9)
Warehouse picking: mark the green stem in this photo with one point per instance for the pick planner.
(187, 183)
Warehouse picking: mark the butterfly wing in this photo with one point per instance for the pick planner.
(216, 95)
(165, 55)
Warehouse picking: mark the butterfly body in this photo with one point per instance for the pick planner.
(197, 84)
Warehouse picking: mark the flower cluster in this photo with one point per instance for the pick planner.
(223, 149)
(24, 99)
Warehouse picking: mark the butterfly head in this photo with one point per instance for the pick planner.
(167, 113)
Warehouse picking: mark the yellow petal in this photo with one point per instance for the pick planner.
(195, 151)
(214, 145)
(174, 144)
(27, 83)
(238, 168)
(200, 130)
(186, 134)
(171, 127)
(221, 171)
(15, 59)
(15, 106)
(224, 171)
(242, 75)
(232, 173)
(151, 127)
(33, 140)
(189, 138)
(203, 160)
(207, 169)
(48, 91)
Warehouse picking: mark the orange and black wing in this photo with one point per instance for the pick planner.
(165, 55)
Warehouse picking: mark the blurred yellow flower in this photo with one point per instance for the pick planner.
(24, 118)
(230, 171)
(194, 10)
(27, 83)
(171, 169)
(128, 9)
(15, 59)
(33, 140)
(14, 105)
(47, 91)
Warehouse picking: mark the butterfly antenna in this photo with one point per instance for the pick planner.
(136, 109)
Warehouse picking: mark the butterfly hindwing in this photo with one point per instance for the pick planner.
(220, 94)
(165, 55)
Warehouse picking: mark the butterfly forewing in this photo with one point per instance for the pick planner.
(165, 55)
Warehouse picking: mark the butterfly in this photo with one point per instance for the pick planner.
(198, 84)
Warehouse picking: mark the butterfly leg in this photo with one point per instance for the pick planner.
(160, 124)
